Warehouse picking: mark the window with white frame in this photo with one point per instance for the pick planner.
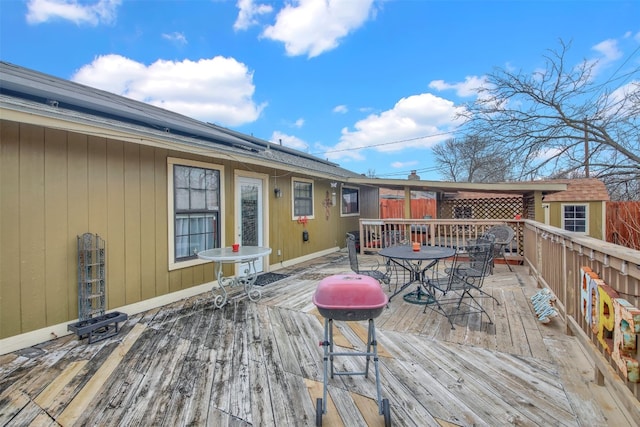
(575, 218)
(302, 192)
(194, 209)
(350, 201)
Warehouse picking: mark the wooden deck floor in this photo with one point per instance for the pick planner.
(260, 364)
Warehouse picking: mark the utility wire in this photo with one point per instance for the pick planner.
(387, 143)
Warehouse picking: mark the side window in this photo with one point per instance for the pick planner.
(349, 201)
(302, 192)
(194, 210)
(574, 218)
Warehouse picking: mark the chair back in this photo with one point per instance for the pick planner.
(480, 258)
(353, 254)
(391, 238)
(464, 283)
(503, 234)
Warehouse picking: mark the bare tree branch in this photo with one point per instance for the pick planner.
(472, 159)
(541, 120)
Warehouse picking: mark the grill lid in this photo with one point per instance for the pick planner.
(349, 292)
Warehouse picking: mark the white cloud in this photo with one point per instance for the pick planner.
(404, 165)
(178, 38)
(548, 153)
(608, 52)
(299, 123)
(100, 12)
(215, 90)
(289, 141)
(416, 122)
(623, 100)
(313, 27)
(342, 109)
(248, 11)
(469, 87)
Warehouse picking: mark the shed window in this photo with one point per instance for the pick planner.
(574, 218)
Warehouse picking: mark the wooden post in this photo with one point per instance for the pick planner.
(586, 150)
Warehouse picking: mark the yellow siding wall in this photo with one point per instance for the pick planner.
(57, 185)
(326, 230)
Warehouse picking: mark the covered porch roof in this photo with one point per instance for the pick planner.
(525, 188)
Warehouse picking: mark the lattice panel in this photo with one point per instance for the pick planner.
(490, 208)
(498, 208)
(529, 211)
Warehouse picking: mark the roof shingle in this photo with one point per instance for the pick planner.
(579, 190)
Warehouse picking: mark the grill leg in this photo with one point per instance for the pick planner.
(331, 345)
(374, 343)
(328, 324)
(371, 342)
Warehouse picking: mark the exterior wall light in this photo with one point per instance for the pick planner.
(334, 185)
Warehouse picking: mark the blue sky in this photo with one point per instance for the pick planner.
(371, 85)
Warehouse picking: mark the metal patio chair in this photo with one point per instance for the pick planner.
(373, 270)
(458, 292)
(503, 236)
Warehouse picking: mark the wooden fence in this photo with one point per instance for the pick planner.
(420, 208)
(623, 224)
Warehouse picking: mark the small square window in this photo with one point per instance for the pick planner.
(574, 218)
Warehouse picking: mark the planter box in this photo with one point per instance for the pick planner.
(99, 327)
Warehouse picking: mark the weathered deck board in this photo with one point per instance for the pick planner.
(260, 364)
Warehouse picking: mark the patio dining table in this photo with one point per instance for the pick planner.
(247, 276)
(414, 262)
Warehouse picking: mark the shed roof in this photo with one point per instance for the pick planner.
(579, 190)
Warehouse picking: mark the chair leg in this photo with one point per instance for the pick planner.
(438, 307)
(506, 262)
(486, 294)
(478, 305)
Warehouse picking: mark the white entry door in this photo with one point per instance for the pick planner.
(249, 215)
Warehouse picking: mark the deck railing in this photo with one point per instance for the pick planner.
(596, 284)
(376, 234)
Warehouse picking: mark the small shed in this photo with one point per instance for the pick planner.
(580, 208)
